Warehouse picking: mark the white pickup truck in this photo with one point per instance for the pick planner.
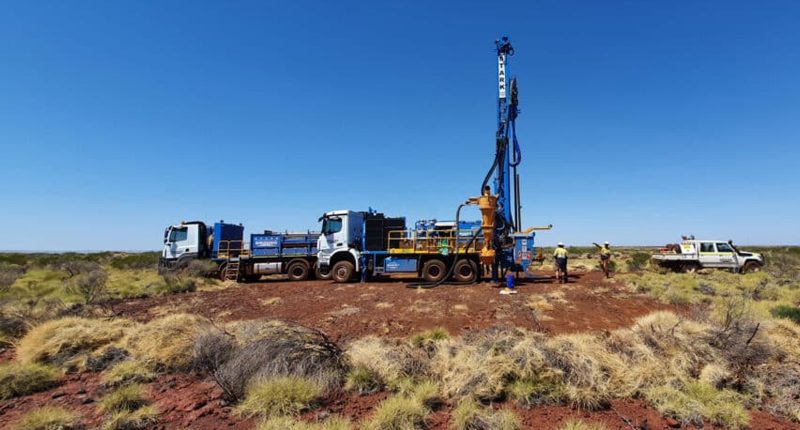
(692, 254)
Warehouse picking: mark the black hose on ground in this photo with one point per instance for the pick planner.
(428, 285)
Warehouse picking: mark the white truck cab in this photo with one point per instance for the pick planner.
(340, 238)
(692, 254)
(184, 241)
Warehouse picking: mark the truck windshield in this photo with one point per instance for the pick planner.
(331, 225)
(178, 234)
(724, 247)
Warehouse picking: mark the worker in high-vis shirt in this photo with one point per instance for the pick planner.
(605, 257)
(560, 255)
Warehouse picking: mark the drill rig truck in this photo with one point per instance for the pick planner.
(365, 243)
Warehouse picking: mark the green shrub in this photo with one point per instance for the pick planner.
(398, 413)
(126, 398)
(143, 260)
(139, 419)
(637, 261)
(48, 418)
(280, 396)
(17, 379)
(174, 284)
(789, 312)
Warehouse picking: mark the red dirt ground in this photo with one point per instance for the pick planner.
(387, 308)
(349, 311)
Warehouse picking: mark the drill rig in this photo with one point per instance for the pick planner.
(505, 246)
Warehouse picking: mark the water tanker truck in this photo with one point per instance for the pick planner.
(266, 253)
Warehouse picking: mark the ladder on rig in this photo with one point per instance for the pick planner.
(232, 271)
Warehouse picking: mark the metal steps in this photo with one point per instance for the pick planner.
(232, 271)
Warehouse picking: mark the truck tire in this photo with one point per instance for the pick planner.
(751, 266)
(465, 271)
(221, 271)
(297, 271)
(324, 275)
(342, 271)
(434, 270)
(690, 267)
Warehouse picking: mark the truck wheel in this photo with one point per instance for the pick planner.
(465, 271)
(221, 272)
(323, 274)
(750, 267)
(434, 270)
(690, 267)
(342, 271)
(298, 271)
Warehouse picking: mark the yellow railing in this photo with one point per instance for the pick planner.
(229, 249)
(432, 242)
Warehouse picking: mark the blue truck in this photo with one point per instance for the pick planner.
(266, 253)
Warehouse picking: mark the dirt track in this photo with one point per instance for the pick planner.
(388, 308)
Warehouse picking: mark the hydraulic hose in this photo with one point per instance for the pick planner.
(428, 285)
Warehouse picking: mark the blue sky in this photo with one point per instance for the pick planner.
(640, 121)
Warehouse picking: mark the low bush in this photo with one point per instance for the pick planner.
(126, 398)
(469, 415)
(139, 419)
(48, 418)
(280, 396)
(143, 260)
(9, 273)
(174, 284)
(787, 312)
(637, 261)
(60, 341)
(91, 286)
(362, 381)
(167, 342)
(18, 379)
(290, 423)
(697, 402)
(428, 337)
(397, 413)
(263, 350)
(201, 268)
(127, 372)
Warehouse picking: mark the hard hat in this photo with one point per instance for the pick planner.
(606, 242)
(560, 243)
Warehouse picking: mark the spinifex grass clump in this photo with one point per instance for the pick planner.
(280, 396)
(17, 379)
(62, 340)
(167, 342)
(48, 418)
(469, 415)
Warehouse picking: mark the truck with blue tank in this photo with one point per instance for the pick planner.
(239, 258)
(362, 244)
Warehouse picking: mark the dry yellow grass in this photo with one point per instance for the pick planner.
(59, 341)
(165, 342)
(389, 360)
(48, 418)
